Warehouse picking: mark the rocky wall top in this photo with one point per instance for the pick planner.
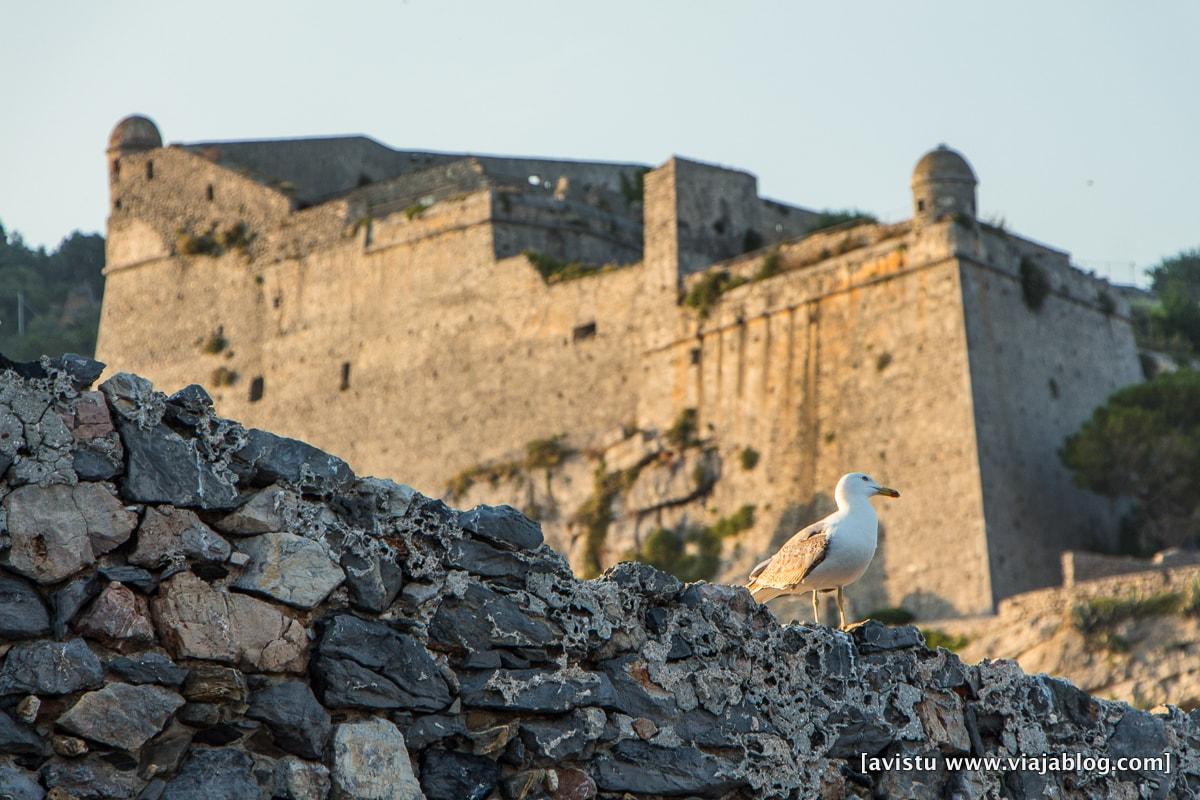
(190, 609)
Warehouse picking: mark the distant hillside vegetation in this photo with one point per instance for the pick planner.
(50, 301)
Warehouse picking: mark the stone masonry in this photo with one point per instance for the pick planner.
(435, 317)
(194, 610)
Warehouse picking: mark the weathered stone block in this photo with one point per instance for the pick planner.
(370, 762)
(120, 715)
(289, 568)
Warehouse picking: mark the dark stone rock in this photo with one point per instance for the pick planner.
(427, 730)
(1073, 703)
(482, 620)
(154, 790)
(480, 558)
(149, 668)
(539, 691)
(204, 715)
(457, 776)
(396, 656)
(20, 784)
(189, 408)
(71, 598)
(267, 458)
(92, 463)
(346, 684)
(658, 620)
(1139, 734)
(52, 668)
(858, 734)
(562, 738)
(872, 636)
(374, 581)
(92, 778)
(163, 467)
(679, 649)
(633, 692)
(644, 578)
(163, 754)
(83, 370)
(138, 578)
(502, 525)
(23, 615)
(706, 729)
(642, 768)
(17, 738)
(221, 774)
(297, 721)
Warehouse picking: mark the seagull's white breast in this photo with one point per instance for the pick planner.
(852, 540)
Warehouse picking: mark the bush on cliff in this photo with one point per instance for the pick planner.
(1144, 445)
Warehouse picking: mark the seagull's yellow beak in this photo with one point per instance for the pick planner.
(886, 492)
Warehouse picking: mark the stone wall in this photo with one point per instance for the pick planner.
(1036, 376)
(192, 609)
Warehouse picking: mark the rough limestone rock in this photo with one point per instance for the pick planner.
(370, 762)
(458, 658)
(288, 568)
(168, 535)
(121, 715)
(119, 618)
(198, 621)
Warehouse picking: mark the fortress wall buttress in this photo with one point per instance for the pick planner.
(855, 364)
(1036, 376)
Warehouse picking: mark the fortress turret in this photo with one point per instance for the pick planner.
(943, 183)
(132, 134)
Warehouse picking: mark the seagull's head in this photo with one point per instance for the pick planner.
(859, 484)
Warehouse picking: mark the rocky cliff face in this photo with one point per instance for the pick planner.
(196, 611)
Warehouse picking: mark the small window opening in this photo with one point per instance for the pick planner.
(277, 301)
(256, 389)
(116, 167)
(345, 376)
(695, 355)
(117, 204)
(149, 170)
(920, 205)
(208, 193)
(582, 332)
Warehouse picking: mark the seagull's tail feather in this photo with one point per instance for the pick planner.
(763, 593)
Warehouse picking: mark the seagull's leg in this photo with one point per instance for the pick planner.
(816, 611)
(841, 608)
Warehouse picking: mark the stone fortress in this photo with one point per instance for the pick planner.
(628, 353)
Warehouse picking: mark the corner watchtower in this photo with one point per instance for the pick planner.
(943, 183)
(132, 135)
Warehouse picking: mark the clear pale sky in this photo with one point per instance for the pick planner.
(1080, 118)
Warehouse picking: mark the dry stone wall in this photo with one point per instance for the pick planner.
(190, 609)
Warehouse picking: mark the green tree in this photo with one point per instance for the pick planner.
(1144, 445)
(56, 296)
(1172, 323)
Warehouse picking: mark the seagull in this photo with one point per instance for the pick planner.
(829, 554)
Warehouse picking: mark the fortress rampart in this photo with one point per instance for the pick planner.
(512, 302)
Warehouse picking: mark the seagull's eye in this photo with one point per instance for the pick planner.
(865, 478)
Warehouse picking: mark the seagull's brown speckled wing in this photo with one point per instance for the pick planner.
(795, 560)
